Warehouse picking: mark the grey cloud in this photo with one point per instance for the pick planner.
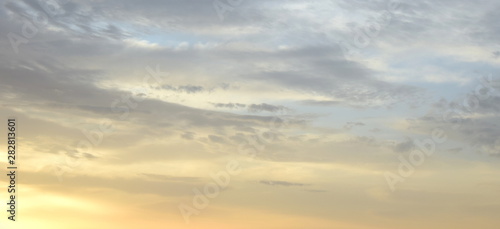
(216, 139)
(365, 140)
(350, 125)
(72, 18)
(266, 107)
(254, 108)
(404, 146)
(496, 54)
(321, 102)
(475, 130)
(44, 73)
(72, 93)
(188, 135)
(66, 88)
(342, 80)
(316, 68)
(189, 89)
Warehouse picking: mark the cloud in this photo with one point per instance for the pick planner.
(316, 190)
(321, 102)
(159, 177)
(188, 135)
(229, 105)
(404, 146)
(216, 139)
(255, 108)
(270, 68)
(280, 183)
(350, 125)
(472, 128)
(184, 88)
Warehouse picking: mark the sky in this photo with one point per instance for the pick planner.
(244, 114)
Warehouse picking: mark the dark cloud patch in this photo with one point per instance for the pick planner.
(189, 89)
(188, 135)
(255, 108)
(365, 140)
(404, 146)
(496, 54)
(350, 125)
